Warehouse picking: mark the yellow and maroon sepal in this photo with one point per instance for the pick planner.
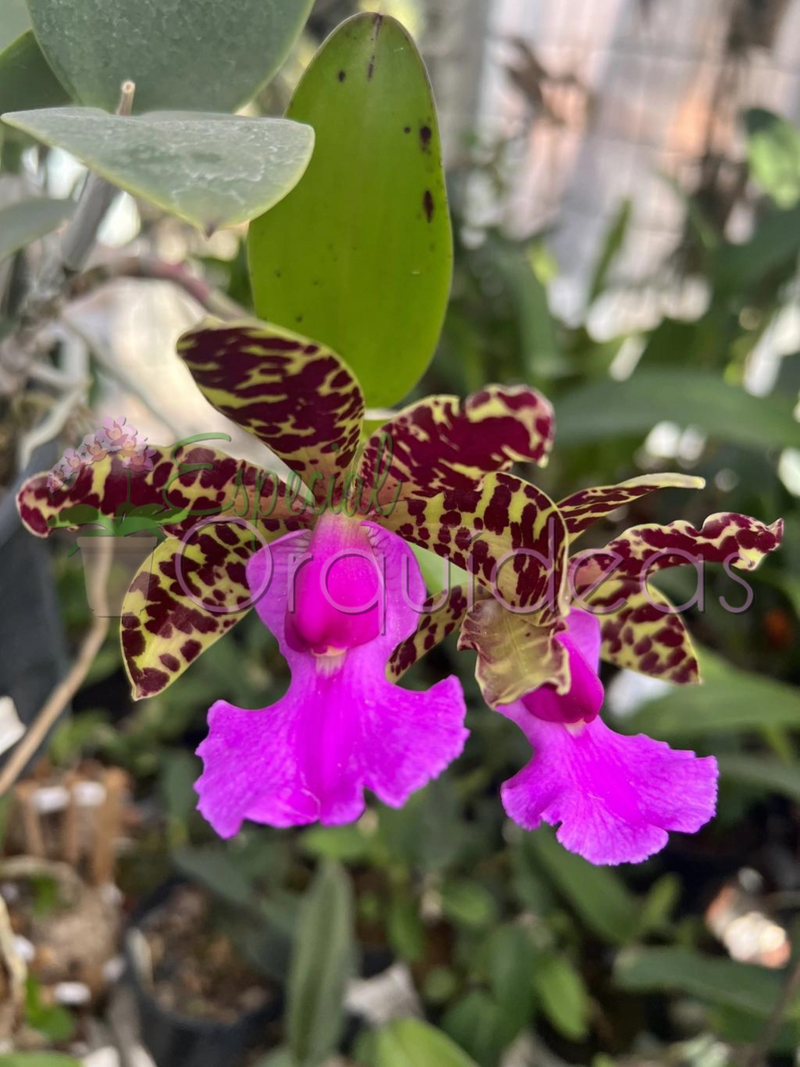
(443, 443)
(185, 482)
(296, 395)
(584, 508)
(731, 539)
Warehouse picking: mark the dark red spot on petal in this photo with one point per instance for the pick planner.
(190, 650)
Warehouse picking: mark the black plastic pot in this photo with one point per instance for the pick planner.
(33, 654)
(175, 1040)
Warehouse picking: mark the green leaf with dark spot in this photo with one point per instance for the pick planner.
(212, 170)
(20, 224)
(205, 55)
(359, 256)
(26, 81)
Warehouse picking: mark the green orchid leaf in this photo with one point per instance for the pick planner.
(20, 224)
(603, 410)
(26, 81)
(211, 170)
(733, 703)
(764, 773)
(563, 995)
(321, 964)
(359, 256)
(204, 55)
(710, 979)
(411, 1043)
(611, 248)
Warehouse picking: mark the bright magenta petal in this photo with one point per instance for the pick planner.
(614, 797)
(342, 726)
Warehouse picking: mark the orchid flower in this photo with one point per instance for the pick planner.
(73, 461)
(116, 435)
(615, 798)
(58, 477)
(343, 725)
(138, 459)
(442, 483)
(95, 447)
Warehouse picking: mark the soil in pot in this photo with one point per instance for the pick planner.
(196, 970)
(200, 1003)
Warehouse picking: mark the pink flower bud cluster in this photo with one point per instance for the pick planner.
(114, 438)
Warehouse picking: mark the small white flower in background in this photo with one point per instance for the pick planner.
(11, 729)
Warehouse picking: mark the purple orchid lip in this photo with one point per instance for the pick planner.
(585, 697)
(613, 797)
(342, 727)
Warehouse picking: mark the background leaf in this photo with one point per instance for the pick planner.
(612, 246)
(169, 50)
(38, 1059)
(603, 410)
(411, 1043)
(716, 980)
(773, 150)
(512, 963)
(26, 80)
(766, 774)
(598, 894)
(728, 701)
(14, 22)
(22, 223)
(563, 996)
(360, 255)
(320, 966)
(213, 869)
(212, 170)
